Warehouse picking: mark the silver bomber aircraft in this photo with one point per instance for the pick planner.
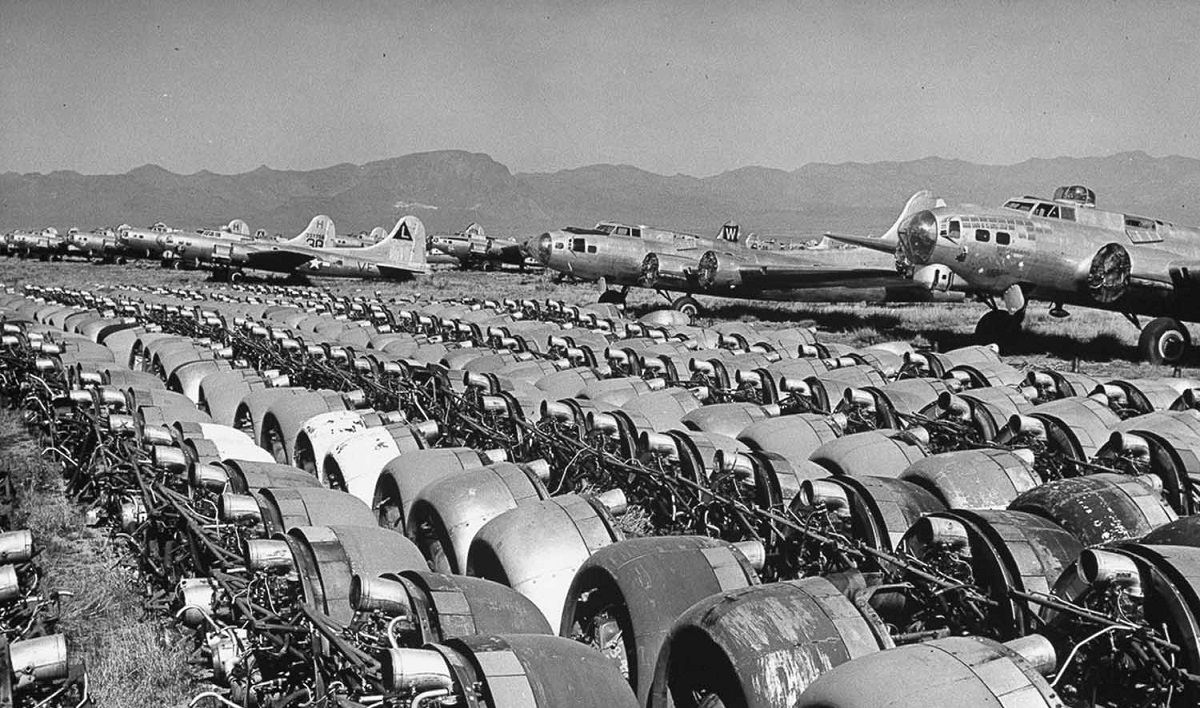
(162, 242)
(1063, 251)
(400, 255)
(472, 247)
(668, 261)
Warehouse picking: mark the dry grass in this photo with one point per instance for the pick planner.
(131, 661)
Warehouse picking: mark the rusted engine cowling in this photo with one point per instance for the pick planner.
(878, 453)
(36, 659)
(171, 359)
(1155, 585)
(777, 478)
(405, 475)
(122, 342)
(1163, 449)
(1134, 397)
(664, 409)
(986, 410)
(566, 530)
(123, 378)
(249, 412)
(823, 392)
(186, 379)
(975, 479)
(1184, 531)
(446, 606)
(168, 414)
(244, 476)
(1075, 428)
(936, 364)
(636, 588)
(889, 406)
(328, 557)
(985, 374)
(1099, 508)
(322, 432)
(502, 670)
(354, 464)
(1052, 384)
(446, 514)
(619, 391)
(1006, 551)
(99, 329)
(221, 393)
(567, 383)
(728, 419)
(275, 510)
(875, 510)
(696, 453)
(210, 442)
(886, 357)
(956, 671)
(141, 349)
(762, 645)
(794, 436)
(286, 416)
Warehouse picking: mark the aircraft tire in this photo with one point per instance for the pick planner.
(688, 305)
(1164, 340)
(997, 327)
(235, 276)
(611, 297)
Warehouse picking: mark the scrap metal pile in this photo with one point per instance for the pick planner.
(354, 502)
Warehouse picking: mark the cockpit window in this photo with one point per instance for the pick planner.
(1018, 205)
(983, 235)
(1048, 211)
(578, 245)
(636, 233)
(955, 230)
(1139, 222)
(622, 230)
(1067, 213)
(605, 228)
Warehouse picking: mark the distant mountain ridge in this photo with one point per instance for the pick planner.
(450, 188)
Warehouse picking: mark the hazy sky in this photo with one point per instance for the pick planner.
(687, 86)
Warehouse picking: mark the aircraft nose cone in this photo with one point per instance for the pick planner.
(919, 235)
(538, 248)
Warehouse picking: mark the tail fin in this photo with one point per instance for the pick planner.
(920, 201)
(730, 232)
(474, 230)
(319, 234)
(239, 227)
(405, 245)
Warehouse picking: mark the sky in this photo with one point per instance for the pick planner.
(101, 86)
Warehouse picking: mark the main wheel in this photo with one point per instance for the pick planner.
(688, 305)
(1164, 341)
(611, 297)
(997, 327)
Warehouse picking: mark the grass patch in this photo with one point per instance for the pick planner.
(132, 660)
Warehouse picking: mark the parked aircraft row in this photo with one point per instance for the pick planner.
(1061, 250)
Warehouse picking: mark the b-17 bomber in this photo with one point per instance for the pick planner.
(1065, 251)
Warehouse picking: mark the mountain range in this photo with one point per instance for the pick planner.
(449, 189)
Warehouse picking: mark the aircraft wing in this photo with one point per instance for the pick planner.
(818, 276)
(767, 271)
(278, 258)
(875, 243)
(401, 270)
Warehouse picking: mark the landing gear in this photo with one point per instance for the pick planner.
(688, 305)
(1164, 341)
(999, 327)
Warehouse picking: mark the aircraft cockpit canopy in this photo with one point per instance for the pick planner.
(1076, 194)
(618, 229)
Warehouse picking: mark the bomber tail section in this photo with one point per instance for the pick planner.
(403, 247)
(318, 234)
(887, 243)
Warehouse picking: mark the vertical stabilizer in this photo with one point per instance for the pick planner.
(319, 234)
